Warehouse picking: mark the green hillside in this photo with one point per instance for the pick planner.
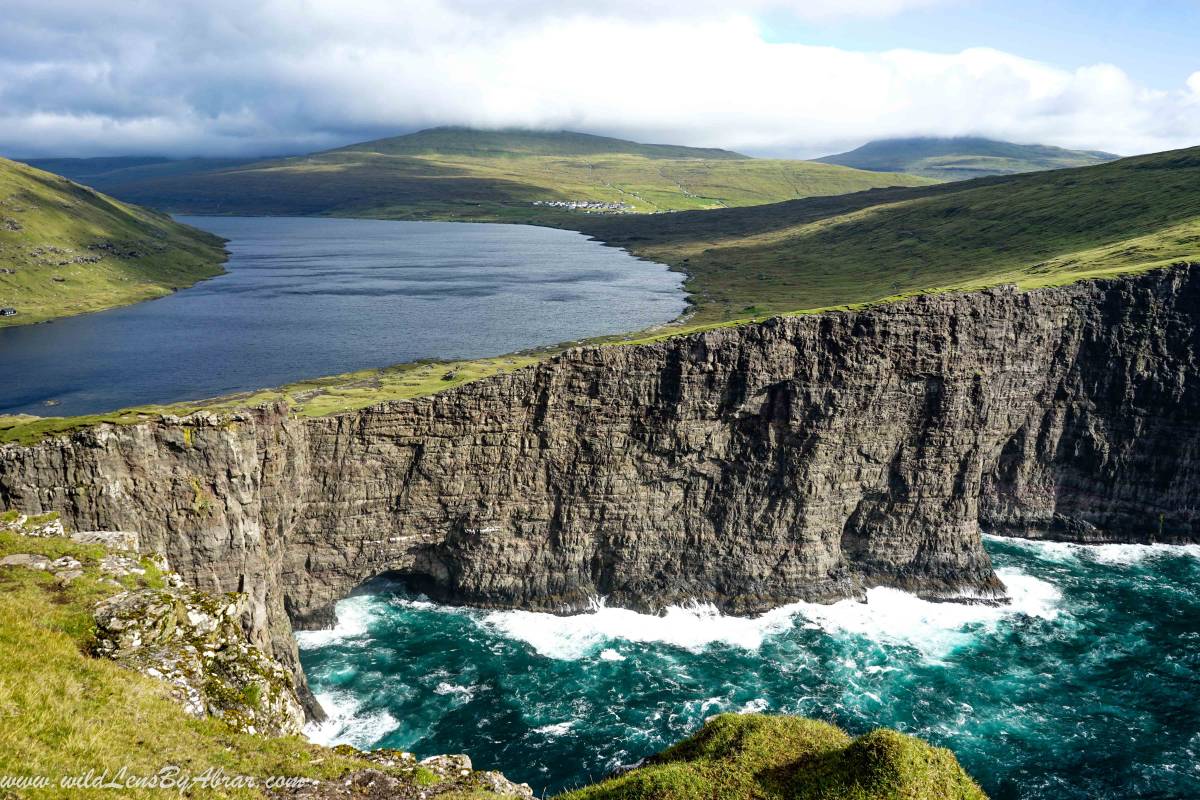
(1037, 229)
(962, 158)
(1034, 230)
(455, 173)
(66, 249)
(472, 142)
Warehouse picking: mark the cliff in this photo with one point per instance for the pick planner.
(802, 458)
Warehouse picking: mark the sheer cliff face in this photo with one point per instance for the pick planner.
(803, 458)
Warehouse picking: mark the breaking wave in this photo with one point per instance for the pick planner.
(1095, 642)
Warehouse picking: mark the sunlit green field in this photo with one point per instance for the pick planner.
(1034, 230)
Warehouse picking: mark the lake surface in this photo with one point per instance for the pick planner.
(307, 297)
(1084, 688)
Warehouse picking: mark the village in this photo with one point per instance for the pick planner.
(589, 206)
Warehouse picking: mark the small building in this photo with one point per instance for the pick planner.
(8, 311)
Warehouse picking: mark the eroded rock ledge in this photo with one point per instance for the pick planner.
(802, 458)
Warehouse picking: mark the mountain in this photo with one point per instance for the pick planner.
(963, 157)
(513, 175)
(1033, 229)
(517, 142)
(67, 249)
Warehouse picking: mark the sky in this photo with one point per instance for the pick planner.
(768, 77)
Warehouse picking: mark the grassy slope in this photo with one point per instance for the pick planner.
(788, 758)
(74, 250)
(463, 174)
(963, 158)
(103, 171)
(1037, 229)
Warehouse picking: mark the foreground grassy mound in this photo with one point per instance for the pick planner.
(960, 158)
(754, 756)
(454, 173)
(66, 249)
(1039, 229)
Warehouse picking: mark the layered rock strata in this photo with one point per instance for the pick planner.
(808, 457)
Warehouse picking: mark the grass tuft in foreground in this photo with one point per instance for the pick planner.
(66, 713)
(734, 757)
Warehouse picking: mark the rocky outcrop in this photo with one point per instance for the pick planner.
(801, 458)
(401, 777)
(194, 641)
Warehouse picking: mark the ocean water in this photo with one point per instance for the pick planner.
(308, 297)
(1086, 686)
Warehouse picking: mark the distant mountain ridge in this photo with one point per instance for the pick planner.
(960, 158)
(105, 171)
(453, 140)
(481, 175)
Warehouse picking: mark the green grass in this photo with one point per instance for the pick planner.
(822, 253)
(493, 176)
(962, 158)
(1038, 229)
(734, 757)
(313, 398)
(65, 713)
(67, 249)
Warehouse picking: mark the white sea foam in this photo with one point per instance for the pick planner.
(1114, 554)
(354, 617)
(609, 654)
(890, 615)
(887, 615)
(557, 729)
(446, 688)
(692, 627)
(346, 725)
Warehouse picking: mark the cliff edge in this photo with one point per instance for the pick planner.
(807, 457)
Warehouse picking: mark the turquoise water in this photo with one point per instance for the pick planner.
(1087, 686)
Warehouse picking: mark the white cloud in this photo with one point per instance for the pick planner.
(1193, 83)
(227, 77)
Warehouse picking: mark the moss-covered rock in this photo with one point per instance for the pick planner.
(736, 757)
(195, 642)
(397, 775)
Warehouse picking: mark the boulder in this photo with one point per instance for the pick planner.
(194, 641)
(27, 560)
(127, 541)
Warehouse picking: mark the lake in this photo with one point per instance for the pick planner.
(307, 297)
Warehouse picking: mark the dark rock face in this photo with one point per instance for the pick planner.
(802, 458)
